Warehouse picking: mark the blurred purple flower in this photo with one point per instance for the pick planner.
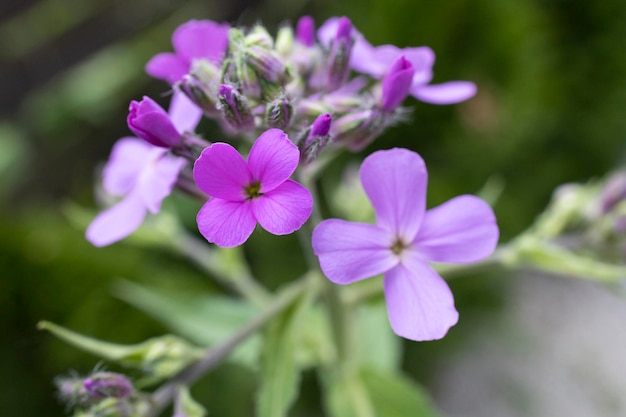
(374, 61)
(196, 39)
(403, 240)
(143, 175)
(244, 193)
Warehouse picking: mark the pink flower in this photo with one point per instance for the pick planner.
(196, 39)
(244, 193)
(402, 242)
(143, 175)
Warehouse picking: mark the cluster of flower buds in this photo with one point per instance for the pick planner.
(250, 82)
(100, 394)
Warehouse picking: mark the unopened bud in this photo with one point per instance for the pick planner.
(108, 384)
(198, 93)
(234, 108)
(317, 139)
(338, 64)
(613, 193)
(279, 113)
(357, 130)
(259, 36)
(284, 41)
(397, 83)
(305, 31)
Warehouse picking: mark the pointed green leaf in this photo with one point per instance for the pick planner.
(159, 357)
(203, 319)
(395, 395)
(280, 370)
(187, 405)
(378, 346)
(346, 396)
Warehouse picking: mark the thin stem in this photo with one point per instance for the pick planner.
(214, 356)
(240, 280)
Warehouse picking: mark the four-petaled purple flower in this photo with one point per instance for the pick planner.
(196, 39)
(143, 175)
(244, 193)
(403, 240)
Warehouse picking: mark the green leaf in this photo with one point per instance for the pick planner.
(395, 395)
(159, 357)
(187, 405)
(346, 396)
(280, 370)
(204, 319)
(378, 346)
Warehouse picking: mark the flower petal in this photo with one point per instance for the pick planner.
(117, 222)
(273, 158)
(419, 302)
(167, 66)
(461, 230)
(184, 114)
(122, 170)
(284, 209)
(226, 223)
(201, 39)
(446, 93)
(350, 251)
(221, 172)
(158, 178)
(395, 181)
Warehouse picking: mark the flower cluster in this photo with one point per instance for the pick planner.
(292, 98)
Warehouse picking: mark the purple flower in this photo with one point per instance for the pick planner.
(374, 61)
(143, 175)
(402, 242)
(244, 193)
(108, 384)
(196, 39)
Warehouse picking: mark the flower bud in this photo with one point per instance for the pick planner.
(108, 384)
(357, 130)
(284, 41)
(397, 83)
(278, 113)
(237, 72)
(317, 139)
(338, 63)
(234, 108)
(613, 193)
(259, 36)
(305, 31)
(198, 93)
(150, 122)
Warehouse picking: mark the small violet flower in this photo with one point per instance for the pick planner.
(404, 239)
(196, 39)
(374, 61)
(143, 175)
(244, 193)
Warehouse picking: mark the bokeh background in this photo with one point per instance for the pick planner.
(550, 109)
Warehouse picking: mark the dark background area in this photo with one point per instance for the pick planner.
(551, 76)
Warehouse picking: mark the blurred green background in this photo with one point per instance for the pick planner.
(550, 109)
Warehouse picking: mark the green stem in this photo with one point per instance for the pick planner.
(240, 280)
(214, 356)
(338, 310)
